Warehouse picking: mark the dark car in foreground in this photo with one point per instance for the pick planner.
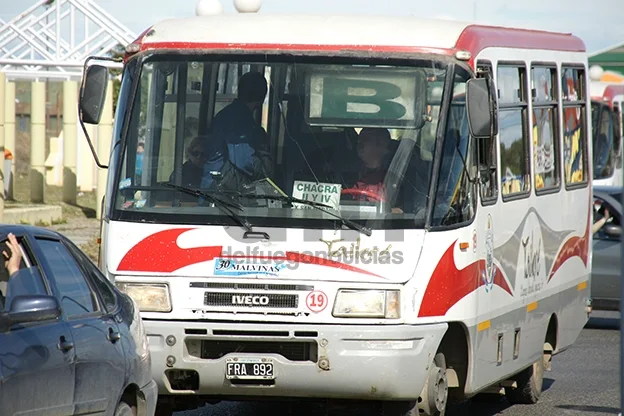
(607, 262)
(70, 342)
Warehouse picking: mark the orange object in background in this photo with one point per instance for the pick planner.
(7, 154)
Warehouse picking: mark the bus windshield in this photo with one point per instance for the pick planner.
(357, 137)
(604, 141)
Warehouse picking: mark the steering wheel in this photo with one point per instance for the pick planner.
(364, 193)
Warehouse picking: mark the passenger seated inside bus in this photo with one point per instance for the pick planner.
(366, 180)
(193, 168)
(236, 149)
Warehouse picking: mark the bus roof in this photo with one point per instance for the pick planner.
(272, 32)
(606, 91)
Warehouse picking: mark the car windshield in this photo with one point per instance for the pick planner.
(355, 136)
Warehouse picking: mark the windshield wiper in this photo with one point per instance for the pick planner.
(290, 199)
(225, 206)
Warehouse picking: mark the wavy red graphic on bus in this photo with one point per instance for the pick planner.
(160, 253)
(573, 247)
(448, 284)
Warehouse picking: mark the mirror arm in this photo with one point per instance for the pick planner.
(84, 129)
(93, 152)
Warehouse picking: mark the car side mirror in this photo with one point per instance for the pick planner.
(612, 230)
(31, 308)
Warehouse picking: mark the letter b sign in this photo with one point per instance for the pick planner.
(348, 98)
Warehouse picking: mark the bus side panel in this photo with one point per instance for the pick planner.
(541, 247)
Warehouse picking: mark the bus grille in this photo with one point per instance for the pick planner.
(251, 300)
(293, 351)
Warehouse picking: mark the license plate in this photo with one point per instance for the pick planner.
(249, 368)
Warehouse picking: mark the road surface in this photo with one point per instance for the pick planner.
(584, 381)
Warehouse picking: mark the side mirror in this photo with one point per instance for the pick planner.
(612, 230)
(32, 308)
(481, 108)
(93, 94)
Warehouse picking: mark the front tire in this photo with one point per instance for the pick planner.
(433, 399)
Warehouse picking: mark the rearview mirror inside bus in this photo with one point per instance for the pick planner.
(481, 108)
(93, 94)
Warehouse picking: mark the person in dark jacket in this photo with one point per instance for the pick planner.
(236, 150)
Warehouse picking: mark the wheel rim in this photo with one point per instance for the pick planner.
(440, 390)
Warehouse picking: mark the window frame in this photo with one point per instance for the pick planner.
(471, 147)
(524, 106)
(76, 252)
(491, 200)
(56, 292)
(29, 260)
(557, 130)
(582, 104)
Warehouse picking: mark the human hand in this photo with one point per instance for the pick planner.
(606, 214)
(13, 261)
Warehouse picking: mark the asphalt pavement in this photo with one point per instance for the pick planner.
(585, 380)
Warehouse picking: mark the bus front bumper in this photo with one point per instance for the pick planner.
(378, 362)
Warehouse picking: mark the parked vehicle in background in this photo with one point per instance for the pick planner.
(606, 265)
(70, 342)
(607, 129)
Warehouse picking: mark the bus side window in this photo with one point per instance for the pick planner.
(514, 138)
(574, 125)
(487, 154)
(544, 117)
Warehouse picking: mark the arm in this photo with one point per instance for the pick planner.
(598, 224)
(14, 260)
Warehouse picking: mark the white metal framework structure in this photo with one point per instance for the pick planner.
(53, 39)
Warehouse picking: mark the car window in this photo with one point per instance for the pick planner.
(99, 281)
(26, 281)
(77, 297)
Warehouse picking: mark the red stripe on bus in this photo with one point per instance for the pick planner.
(285, 47)
(160, 253)
(574, 247)
(448, 284)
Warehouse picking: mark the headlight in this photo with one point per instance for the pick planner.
(152, 297)
(367, 304)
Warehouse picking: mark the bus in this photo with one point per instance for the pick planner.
(275, 270)
(607, 125)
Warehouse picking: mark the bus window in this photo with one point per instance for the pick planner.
(513, 134)
(545, 111)
(455, 196)
(574, 130)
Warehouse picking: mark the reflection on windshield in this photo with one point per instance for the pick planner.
(357, 138)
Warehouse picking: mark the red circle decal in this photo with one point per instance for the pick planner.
(316, 301)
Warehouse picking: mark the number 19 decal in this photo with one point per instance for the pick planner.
(316, 301)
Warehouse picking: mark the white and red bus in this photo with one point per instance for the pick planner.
(607, 99)
(464, 271)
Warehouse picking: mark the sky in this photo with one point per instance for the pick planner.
(597, 22)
